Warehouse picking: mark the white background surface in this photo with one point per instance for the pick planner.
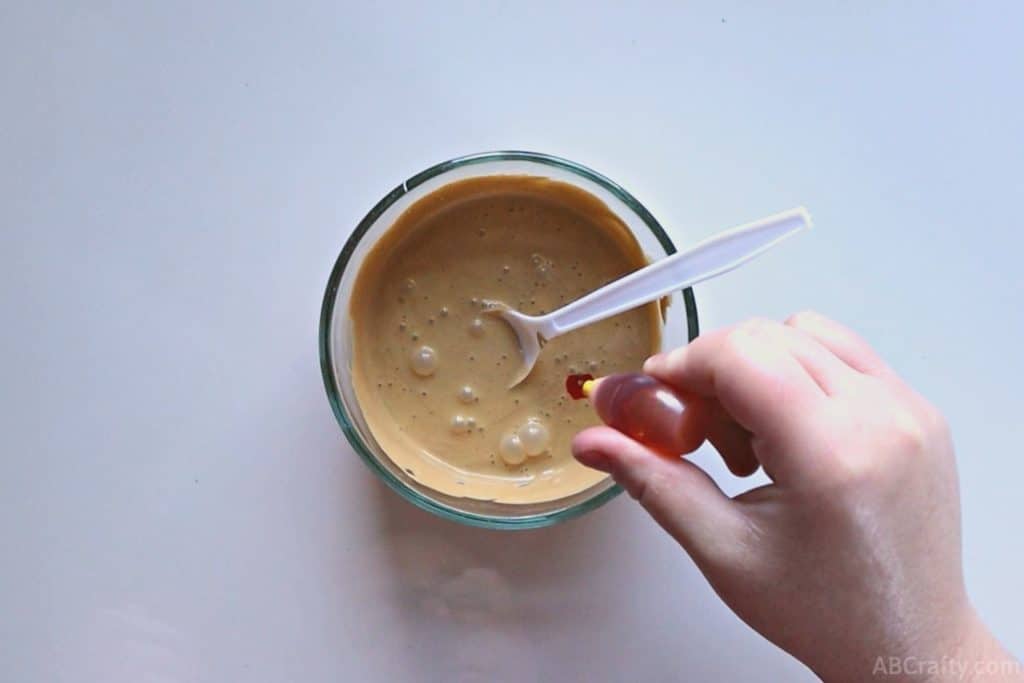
(176, 500)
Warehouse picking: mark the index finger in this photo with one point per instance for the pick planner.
(756, 379)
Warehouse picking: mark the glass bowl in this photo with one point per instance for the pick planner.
(336, 342)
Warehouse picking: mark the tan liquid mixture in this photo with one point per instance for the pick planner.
(431, 369)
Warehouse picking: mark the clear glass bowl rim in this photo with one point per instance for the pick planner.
(330, 298)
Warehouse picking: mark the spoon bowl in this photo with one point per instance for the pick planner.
(527, 330)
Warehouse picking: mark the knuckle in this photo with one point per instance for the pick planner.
(856, 473)
(652, 490)
(758, 326)
(737, 341)
(908, 435)
(890, 442)
(846, 468)
(803, 319)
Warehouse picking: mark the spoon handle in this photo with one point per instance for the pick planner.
(713, 256)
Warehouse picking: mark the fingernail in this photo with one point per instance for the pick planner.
(654, 362)
(595, 460)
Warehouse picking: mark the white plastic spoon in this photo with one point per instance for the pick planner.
(713, 256)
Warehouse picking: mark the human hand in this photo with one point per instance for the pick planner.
(851, 556)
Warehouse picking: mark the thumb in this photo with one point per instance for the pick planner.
(679, 495)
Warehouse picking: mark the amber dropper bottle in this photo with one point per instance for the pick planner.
(644, 409)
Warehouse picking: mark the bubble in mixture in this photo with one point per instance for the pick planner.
(466, 394)
(424, 361)
(542, 266)
(461, 424)
(409, 285)
(534, 437)
(511, 449)
(476, 328)
(444, 311)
